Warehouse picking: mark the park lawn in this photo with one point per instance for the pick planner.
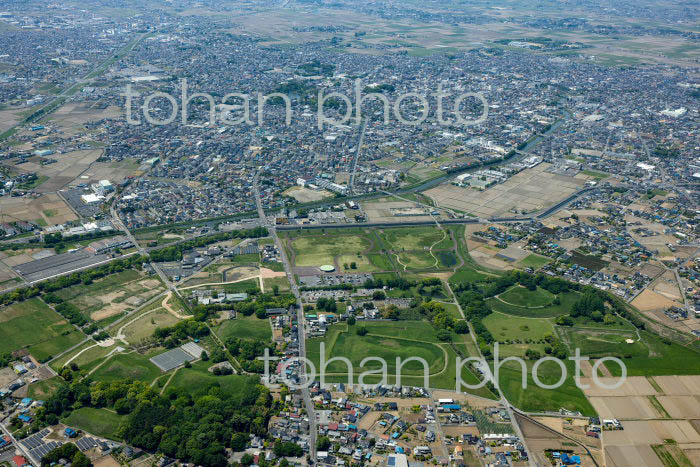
(131, 365)
(453, 310)
(32, 324)
(245, 327)
(600, 343)
(518, 350)
(85, 361)
(99, 422)
(363, 262)
(536, 399)
(356, 348)
(381, 262)
(281, 282)
(198, 380)
(242, 286)
(663, 359)
(416, 260)
(534, 261)
(505, 327)
(567, 301)
(447, 258)
(415, 238)
(99, 287)
(522, 296)
(143, 328)
(467, 274)
(41, 390)
(317, 250)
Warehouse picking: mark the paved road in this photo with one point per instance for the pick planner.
(18, 446)
(301, 320)
(358, 152)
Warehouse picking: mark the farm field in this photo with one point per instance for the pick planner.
(33, 325)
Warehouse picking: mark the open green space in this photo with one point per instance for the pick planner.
(33, 325)
(566, 300)
(522, 296)
(415, 238)
(533, 398)
(507, 328)
(99, 422)
(664, 358)
(199, 379)
(41, 390)
(389, 340)
(131, 365)
(534, 261)
(317, 250)
(602, 343)
(245, 327)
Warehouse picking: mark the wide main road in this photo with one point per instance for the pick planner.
(300, 314)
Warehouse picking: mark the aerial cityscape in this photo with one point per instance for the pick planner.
(350, 233)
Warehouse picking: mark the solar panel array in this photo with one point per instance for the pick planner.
(40, 451)
(36, 439)
(86, 443)
(171, 359)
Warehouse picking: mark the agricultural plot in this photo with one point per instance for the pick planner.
(32, 325)
(48, 209)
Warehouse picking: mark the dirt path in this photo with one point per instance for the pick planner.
(170, 309)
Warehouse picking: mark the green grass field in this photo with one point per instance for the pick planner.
(100, 422)
(122, 366)
(245, 327)
(317, 250)
(41, 390)
(536, 399)
(505, 327)
(567, 300)
(33, 325)
(602, 343)
(663, 359)
(415, 238)
(534, 261)
(522, 296)
(388, 340)
(197, 380)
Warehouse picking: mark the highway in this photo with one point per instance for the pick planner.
(306, 394)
